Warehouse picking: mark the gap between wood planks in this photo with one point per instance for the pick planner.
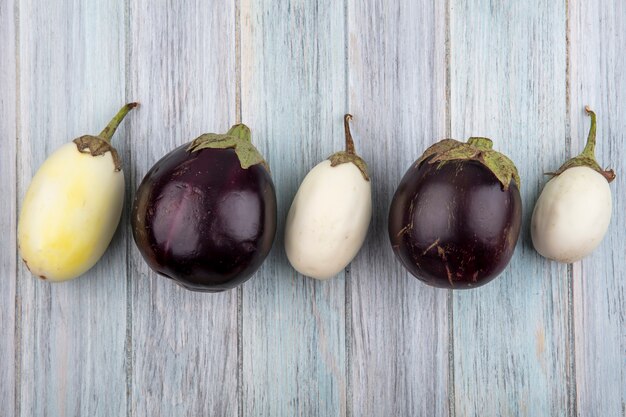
(450, 295)
(238, 116)
(347, 291)
(18, 301)
(128, 342)
(572, 409)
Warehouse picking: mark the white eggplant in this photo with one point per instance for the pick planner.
(73, 206)
(573, 212)
(330, 214)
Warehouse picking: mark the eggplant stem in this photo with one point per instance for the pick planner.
(107, 132)
(349, 142)
(590, 147)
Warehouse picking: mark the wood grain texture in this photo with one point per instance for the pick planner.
(543, 339)
(72, 83)
(597, 62)
(293, 99)
(508, 64)
(399, 334)
(8, 174)
(184, 344)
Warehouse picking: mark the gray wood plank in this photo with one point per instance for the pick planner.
(397, 92)
(184, 344)
(508, 83)
(597, 37)
(8, 132)
(293, 98)
(72, 83)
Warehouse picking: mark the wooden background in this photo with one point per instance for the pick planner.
(542, 340)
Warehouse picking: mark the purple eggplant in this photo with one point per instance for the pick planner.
(455, 218)
(205, 214)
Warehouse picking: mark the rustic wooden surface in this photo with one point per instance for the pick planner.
(182, 345)
(399, 327)
(543, 339)
(70, 353)
(8, 265)
(512, 335)
(293, 97)
(597, 62)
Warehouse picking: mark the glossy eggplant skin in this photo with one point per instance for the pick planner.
(202, 220)
(454, 226)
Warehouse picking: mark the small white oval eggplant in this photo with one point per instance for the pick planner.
(73, 206)
(330, 214)
(573, 212)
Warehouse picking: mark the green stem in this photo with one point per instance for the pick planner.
(241, 131)
(108, 131)
(590, 147)
(349, 142)
(588, 158)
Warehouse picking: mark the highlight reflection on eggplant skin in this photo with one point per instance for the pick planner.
(454, 226)
(202, 220)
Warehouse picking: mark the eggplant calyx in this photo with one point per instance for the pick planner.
(96, 146)
(237, 138)
(101, 144)
(475, 149)
(587, 157)
(349, 155)
(343, 157)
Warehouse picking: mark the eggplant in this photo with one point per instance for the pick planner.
(330, 214)
(455, 218)
(205, 214)
(573, 211)
(73, 206)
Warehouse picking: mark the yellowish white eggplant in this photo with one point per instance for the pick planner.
(573, 212)
(330, 214)
(73, 206)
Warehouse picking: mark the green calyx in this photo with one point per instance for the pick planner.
(238, 139)
(588, 156)
(349, 155)
(96, 146)
(101, 144)
(475, 149)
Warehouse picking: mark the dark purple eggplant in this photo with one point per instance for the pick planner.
(205, 214)
(455, 218)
